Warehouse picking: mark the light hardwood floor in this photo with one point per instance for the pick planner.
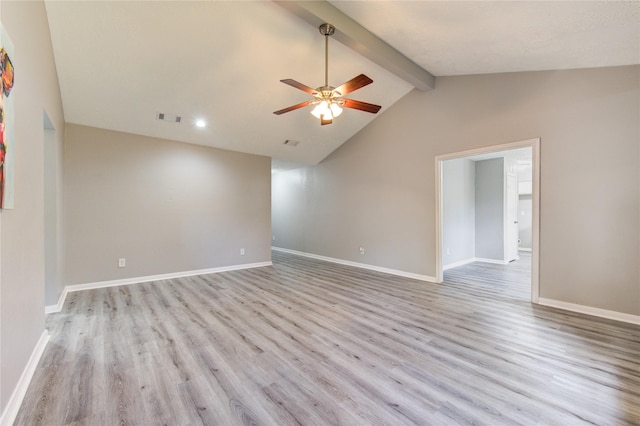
(309, 342)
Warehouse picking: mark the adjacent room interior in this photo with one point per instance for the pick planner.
(231, 213)
(486, 220)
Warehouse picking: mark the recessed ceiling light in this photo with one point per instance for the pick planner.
(201, 123)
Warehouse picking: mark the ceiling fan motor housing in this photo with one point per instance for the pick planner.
(327, 92)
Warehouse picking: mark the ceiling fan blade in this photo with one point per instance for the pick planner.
(354, 84)
(291, 108)
(362, 106)
(324, 121)
(300, 86)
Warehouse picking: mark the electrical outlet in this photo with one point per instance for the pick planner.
(241, 252)
(122, 262)
(273, 238)
(361, 250)
(448, 252)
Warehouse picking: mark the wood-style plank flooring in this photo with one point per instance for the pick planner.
(511, 281)
(314, 343)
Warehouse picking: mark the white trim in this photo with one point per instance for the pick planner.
(358, 265)
(534, 144)
(489, 149)
(439, 215)
(458, 263)
(138, 280)
(13, 406)
(524, 249)
(494, 261)
(588, 310)
(474, 259)
(535, 221)
(52, 309)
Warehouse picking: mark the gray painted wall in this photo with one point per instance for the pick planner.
(490, 175)
(458, 210)
(22, 229)
(378, 189)
(164, 206)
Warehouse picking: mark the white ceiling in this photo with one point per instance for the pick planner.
(478, 37)
(121, 62)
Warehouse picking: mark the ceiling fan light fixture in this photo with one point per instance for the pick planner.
(326, 110)
(336, 110)
(322, 109)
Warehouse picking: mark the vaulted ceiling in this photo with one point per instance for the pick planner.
(120, 63)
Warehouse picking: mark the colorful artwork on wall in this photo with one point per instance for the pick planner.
(6, 121)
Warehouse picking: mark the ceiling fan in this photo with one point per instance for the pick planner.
(328, 100)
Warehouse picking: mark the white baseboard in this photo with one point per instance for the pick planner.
(52, 309)
(603, 313)
(359, 265)
(596, 312)
(136, 280)
(13, 406)
(459, 263)
(471, 260)
(494, 261)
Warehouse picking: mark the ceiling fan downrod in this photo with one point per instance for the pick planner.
(326, 30)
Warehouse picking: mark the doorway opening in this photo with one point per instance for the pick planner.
(487, 215)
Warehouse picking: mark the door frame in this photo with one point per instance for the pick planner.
(534, 144)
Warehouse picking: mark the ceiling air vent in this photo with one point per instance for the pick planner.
(290, 142)
(168, 117)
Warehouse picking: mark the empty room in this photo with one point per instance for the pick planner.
(320, 213)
